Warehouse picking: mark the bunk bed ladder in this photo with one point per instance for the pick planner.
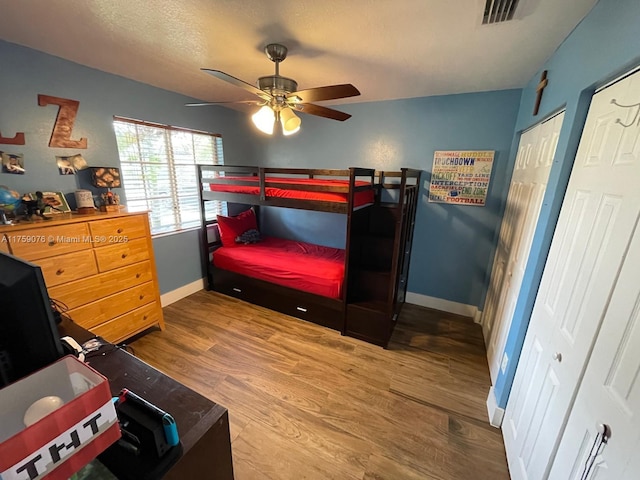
(353, 174)
(379, 268)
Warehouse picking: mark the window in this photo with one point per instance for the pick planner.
(158, 166)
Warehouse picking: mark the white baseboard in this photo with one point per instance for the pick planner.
(496, 414)
(478, 317)
(184, 291)
(443, 305)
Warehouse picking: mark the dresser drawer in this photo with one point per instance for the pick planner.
(66, 268)
(50, 241)
(129, 324)
(119, 255)
(109, 231)
(81, 292)
(326, 312)
(113, 306)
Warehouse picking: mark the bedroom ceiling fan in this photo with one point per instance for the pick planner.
(279, 96)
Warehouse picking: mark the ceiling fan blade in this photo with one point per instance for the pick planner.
(318, 94)
(238, 83)
(312, 109)
(204, 104)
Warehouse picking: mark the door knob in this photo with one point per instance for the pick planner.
(604, 430)
(557, 356)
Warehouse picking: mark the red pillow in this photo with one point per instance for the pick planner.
(232, 227)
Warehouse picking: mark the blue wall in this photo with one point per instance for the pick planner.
(453, 245)
(604, 45)
(27, 73)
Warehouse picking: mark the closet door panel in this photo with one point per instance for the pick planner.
(528, 185)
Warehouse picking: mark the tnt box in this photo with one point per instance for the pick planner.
(64, 441)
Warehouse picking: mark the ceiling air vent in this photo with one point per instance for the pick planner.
(497, 11)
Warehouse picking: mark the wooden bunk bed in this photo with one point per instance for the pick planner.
(374, 264)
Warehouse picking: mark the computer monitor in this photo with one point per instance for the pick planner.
(29, 339)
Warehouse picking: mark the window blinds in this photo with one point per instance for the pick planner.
(158, 167)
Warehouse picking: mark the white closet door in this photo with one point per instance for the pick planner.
(610, 391)
(595, 226)
(528, 184)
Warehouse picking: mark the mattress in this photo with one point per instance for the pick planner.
(360, 198)
(303, 266)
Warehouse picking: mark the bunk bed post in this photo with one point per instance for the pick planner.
(380, 187)
(347, 247)
(263, 190)
(399, 241)
(411, 221)
(406, 242)
(204, 237)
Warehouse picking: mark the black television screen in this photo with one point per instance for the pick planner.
(29, 339)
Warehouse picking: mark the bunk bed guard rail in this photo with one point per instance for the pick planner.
(327, 190)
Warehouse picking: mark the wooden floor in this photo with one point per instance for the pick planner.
(307, 403)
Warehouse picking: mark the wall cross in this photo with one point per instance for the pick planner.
(543, 83)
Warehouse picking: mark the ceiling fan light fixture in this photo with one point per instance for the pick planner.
(280, 97)
(286, 133)
(264, 119)
(290, 121)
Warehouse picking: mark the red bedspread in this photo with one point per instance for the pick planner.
(303, 266)
(360, 198)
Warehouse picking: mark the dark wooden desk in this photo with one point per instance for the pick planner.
(203, 425)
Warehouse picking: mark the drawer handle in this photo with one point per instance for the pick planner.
(124, 255)
(144, 317)
(60, 271)
(237, 290)
(141, 297)
(301, 309)
(52, 243)
(138, 275)
(119, 230)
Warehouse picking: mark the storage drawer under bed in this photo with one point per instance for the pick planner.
(323, 311)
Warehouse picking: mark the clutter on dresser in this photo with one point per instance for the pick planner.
(107, 177)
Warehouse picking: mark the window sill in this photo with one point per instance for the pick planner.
(175, 232)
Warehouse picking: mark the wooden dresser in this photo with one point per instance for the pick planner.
(100, 266)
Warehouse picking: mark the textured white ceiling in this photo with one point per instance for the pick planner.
(388, 49)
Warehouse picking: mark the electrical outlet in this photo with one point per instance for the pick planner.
(505, 361)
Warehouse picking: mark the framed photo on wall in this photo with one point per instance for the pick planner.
(12, 163)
